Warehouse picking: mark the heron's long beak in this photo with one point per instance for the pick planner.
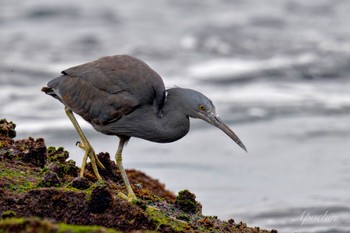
(214, 120)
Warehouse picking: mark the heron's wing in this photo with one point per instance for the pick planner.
(108, 88)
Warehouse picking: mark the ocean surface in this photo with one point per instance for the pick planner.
(277, 70)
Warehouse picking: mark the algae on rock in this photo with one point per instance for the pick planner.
(38, 183)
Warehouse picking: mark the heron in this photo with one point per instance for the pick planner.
(123, 96)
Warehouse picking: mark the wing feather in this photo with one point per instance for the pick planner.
(108, 88)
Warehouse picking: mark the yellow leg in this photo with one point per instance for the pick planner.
(85, 145)
(118, 157)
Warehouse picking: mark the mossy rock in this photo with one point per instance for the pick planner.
(186, 201)
(40, 183)
(30, 225)
(7, 129)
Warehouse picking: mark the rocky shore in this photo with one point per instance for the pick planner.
(40, 191)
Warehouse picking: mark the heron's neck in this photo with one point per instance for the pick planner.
(173, 121)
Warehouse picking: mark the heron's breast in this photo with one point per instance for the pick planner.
(149, 127)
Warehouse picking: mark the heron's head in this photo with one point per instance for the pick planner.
(200, 106)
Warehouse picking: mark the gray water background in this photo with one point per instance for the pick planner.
(277, 70)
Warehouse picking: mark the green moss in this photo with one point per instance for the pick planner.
(39, 225)
(183, 217)
(44, 170)
(99, 183)
(161, 219)
(8, 214)
(69, 168)
(186, 201)
(51, 149)
(140, 203)
(84, 229)
(57, 155)
(19, 180)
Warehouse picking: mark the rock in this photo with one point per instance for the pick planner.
(38, 183)
(80, 183)
(32, 151)
(100, 199)
(186, 201)
(7, 129)
(59, 155)
(50, 180)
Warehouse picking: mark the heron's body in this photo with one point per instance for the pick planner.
(123, 96)
(156, 124)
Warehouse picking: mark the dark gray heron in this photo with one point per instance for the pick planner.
(121, 95)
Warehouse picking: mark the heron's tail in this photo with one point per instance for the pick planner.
(47, 90)
(50, 91)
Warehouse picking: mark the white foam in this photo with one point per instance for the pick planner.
(231, 68)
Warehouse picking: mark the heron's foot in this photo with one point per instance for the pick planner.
(91, 152)
(95, 162)
(131, 197)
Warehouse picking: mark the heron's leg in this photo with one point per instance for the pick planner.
(85, 145)
(118, 158)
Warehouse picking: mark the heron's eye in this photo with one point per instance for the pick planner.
(202, 107)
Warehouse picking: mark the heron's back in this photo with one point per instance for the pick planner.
(108, 88)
